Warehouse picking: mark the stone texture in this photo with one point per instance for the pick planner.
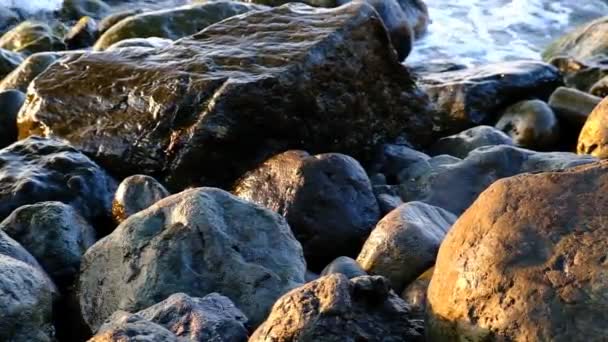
(475, 96)
(327, 200)
(55, 234)
(585, 42)
(40, 169)
(526, 262)
(346, 266)
(593, 139)
(405, 242)
(455, 184)
(126, 327)
(26, 300)
(233, 95)
(135, 194)
(172, 23)
(461, 144)
(31, 37)
(199, 241)
(334, 308)
(531, 124)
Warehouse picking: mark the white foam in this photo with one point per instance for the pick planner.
(32, 6)
(481, 31)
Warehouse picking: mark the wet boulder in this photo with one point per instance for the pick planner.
(593, 139)
(344, 265)
(30, 37)
(526, 262)
(200, 241)
(10, 104)
(531, 124)
(172, 23)
(26, 302)
(477, 95)
(405, 243)
(233, 95)
(9, 61)
(40, 169)
(455, 184)
(135, 194)
(55, 233)
(31, 67)
(583, 43)
(82, 35)
(327, 200)
(573, 106)
(461, 144)
(359, 309)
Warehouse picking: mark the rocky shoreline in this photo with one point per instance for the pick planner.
(272, 171)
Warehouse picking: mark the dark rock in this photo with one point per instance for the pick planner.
(26, 302)
(30, 37)
(327, 200)
(125, 327)
(454, 185)
(531, 124)
(583, 43)
(334, 308)
(405, 242)
(526, 262)
(213, 318)
(38, 169)
(346, 266)
(475, 96)
(31, 67)
(461, 144)
(135, 194)
(76, 9)
(10, 104)
(9, 61)
(200, 241)
(172, 23)
(581, 75)
(391, 159)
(11, 248)
(213, 100)
(593, 139)
(55, 234)
(82, 35)
(388, 198)
(415, 293)
(573, 106)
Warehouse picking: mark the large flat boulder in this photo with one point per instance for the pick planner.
(211, 106)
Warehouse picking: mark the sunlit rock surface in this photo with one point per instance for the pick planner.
(334, 308)
(526, 262)
(211, 106)
(593, 139)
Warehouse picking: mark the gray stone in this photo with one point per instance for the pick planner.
(531, 124)
(405, 242)
(199, 241)
(55, 234)
(125, 327)
(346, 266)
(461, 144)
(135, 194)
